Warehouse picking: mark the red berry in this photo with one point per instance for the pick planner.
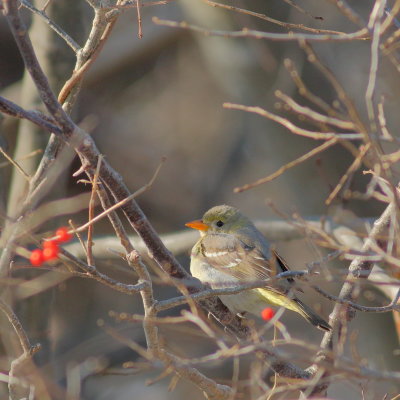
(50, 243)
(50, 253)
(36, 257)
(63, 235)
(267, 314)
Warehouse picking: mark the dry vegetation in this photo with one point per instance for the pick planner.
(116, 311)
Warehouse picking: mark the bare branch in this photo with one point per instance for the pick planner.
(264, 17)
(292, 127)
(353, 167)
(313, 115)
(71, 42)
(28, 350)
(10, 108)
(362, 34)
(24, 44)
(358, 267)
(393, 306)
(287, 166)
(16, 165)
(90, 260)
(122, 202)
(91, 271)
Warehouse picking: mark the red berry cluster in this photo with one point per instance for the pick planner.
(51, 248)
(267, 314)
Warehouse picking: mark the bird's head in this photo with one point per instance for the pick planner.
(220, 219)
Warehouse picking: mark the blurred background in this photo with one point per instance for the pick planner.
(162, 95)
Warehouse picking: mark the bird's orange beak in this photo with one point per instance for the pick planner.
(198, 224)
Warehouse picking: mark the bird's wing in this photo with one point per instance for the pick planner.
(230, 255)
(281, 266)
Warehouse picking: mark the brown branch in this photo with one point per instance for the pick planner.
(91, 54)
(287, 166)
(139, 18)
(89, 156)
(393, 306)
(337, 86)
(264, 17)
(358, 268)
(27, 52)
(204, 294)
(90, 260)
(353, 168)
(214, 390)
(348, 12)
(149, 325)
(27, 351)
(22, 158)
(68, 39)
(16, 165)
(292, 127)
(121, 203)
(305, 92)
(10, 108)
(313, 115)
(92, 272)
(362, 34)
(86, 148)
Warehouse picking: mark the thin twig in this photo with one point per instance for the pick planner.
(77, 234)
(391, 14)
(139, 18)
(24, 44)
(68, 39)
(204, 294)
(361, 34)
(316, 116)
(374, 24)
(26, 157)
(287, 166)
(27, 349)
(305, 92)
(90, 260)
(337, 86)
(293, 128)
(358, 267)
(16, 165)
(92, 272)
(393, 306)
(121, 203)
(86, 148)
(83, 67)
(264, 17)
(347, 11)
(353, 167)
(214, 390)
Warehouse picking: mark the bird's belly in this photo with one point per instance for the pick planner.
(215, 278)
(248, 301)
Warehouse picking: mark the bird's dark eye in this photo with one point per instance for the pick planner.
(219, 223)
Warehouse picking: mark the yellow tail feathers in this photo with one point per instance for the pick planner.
(281, 300)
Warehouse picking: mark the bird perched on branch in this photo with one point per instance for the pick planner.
(231, 251)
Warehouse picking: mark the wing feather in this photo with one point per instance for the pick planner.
(232, 256)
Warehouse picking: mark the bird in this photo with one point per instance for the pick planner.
(232, 251)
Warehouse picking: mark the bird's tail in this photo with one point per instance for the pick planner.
(279, 299)
(311, 316)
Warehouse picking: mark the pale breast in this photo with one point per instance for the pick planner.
(207, 274)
